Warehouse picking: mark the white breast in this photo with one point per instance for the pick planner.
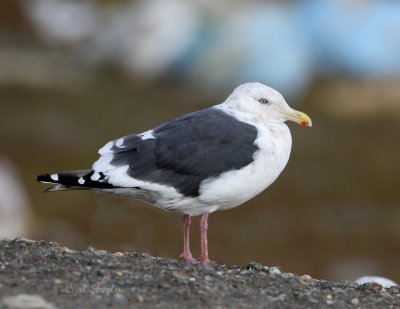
(236, 187)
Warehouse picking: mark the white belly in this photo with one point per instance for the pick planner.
(236, 187)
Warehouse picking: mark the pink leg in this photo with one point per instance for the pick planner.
(203, 235)
(186, 255)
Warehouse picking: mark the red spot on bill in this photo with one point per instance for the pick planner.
(304, 123)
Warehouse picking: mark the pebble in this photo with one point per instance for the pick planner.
(27, 301)
(99, 273)
(385, 282)
(326, 285)
(68, 250)
(208, 267)
(218, 275)
(57, 281)
(306, 277)
(23, 239)
(329, 300)
(147, 256)
(281, 297)
(165, 285)
(370, 287)
(180, 275)
(95, 251)
(120, 299)
(274, 270)
(255, 266)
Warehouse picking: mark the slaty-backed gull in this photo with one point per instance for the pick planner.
(213, 159)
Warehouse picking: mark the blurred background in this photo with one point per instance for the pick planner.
(75, 74)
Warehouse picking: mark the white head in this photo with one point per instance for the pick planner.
(264, 104)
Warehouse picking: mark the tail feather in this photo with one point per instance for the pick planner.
(75, 180)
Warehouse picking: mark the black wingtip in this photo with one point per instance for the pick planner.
(73, 180)
(44, 178)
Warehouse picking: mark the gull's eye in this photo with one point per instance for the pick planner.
(263, 101)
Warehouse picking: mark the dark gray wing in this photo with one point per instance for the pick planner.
(187, 150)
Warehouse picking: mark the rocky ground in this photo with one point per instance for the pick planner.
(38, 274)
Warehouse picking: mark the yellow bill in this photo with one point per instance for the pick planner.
(300, 118)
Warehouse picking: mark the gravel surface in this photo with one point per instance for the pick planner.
(38, 274)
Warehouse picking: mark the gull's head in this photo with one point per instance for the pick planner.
(264, 103)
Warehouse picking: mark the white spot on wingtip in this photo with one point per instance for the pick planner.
(95, 176)
(81, 181)
(54, 177)
(147, 135)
